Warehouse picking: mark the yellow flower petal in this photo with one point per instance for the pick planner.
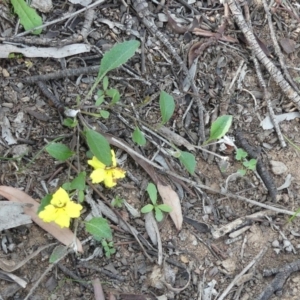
(63, 220)
(98, 175)
(48, 214)
(109, 180)
(73, 209)
(113, 159)
(60, 198)
(118, 173)
(108, 174)
(61, 209)
(96, 164)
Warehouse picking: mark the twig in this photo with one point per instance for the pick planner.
(51, 98)
(272, 69)
(277, 48)
(238, 223)
(254, 261)
(62, 74)
(261, 169)
(71, 274)
(277, 283)
(88, 21)
(102, 271)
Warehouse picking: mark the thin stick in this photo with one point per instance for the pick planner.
(269, 65)
(254, 261)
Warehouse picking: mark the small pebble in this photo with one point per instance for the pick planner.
(275, 244)
(278, 167)
(289, 249)
(5, 73)
(286, 243)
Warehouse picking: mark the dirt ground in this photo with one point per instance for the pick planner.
(196, 264)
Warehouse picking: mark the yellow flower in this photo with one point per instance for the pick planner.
(61, 209)
(107, 174)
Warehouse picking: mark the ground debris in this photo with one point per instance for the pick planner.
(277, 283)
(260, 167)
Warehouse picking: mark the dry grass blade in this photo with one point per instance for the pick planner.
(64, 235)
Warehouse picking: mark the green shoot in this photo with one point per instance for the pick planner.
(157, 208)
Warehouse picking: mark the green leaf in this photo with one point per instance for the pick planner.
(219, 127)
(114, 95)
(44, 202)
(104, 114)
(78, 183)
(188, 160)
(58, 253)
(138, 137)
(81, 196)
(117, 202)
(240, 154)
(99, 100)
(66, 186)
(167, 106)
(165, 207)
(98, 228)
(112, 250)
(105, 83)
(250, 164)
(158, 214)
(152, 192)
(99, 146)
(59, 151)
(242, 171)
(28, 16)
(294, 215)
(70, 122)
(147, 208)
(118, 55)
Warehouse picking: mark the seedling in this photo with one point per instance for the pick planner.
(117, 202)
(219, 128)
(108, 247)
(157, 208)
(248, 164)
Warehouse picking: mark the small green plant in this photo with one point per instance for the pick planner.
(29, 18)
(117, 202)
(108, 247)
(219, 128)
(167, 106)
(157, 208)
(241, 155)
(138, 137)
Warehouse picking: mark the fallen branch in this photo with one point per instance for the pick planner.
(277, 283)
(272, 69)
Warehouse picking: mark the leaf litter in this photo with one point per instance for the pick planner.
(209, 80)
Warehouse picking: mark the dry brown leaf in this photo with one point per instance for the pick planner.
(64, 235)
(170, 197)
(182, 29)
